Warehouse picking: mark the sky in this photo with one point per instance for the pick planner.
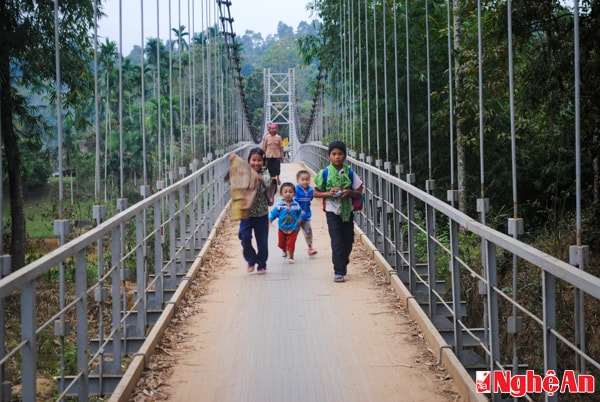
(257, 15)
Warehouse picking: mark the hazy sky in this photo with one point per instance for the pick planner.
(257, 15)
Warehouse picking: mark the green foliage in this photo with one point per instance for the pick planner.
(27, 44)
(543, 59)
(36, 168)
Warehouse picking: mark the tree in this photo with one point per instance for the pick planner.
(180, 34)
(285, 31)
(26, 50)
(304, 28)
(458, 85)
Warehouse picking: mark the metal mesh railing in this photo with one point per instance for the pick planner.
(456, 268)
(94, 319)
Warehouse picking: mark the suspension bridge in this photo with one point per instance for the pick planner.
(171, 122)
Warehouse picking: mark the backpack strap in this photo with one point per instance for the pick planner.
(325, 173)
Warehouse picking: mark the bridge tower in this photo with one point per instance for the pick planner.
(280, 103)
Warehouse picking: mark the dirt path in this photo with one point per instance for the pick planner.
(293, 334)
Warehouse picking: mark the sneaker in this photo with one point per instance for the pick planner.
(312, 251)
(261, 271)
(338, 278)
(250, 268)
(284, 254)
(291, 261)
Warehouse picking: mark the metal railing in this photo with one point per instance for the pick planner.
(106, 288)
(446, 258)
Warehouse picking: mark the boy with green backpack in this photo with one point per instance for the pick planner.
(338, 190)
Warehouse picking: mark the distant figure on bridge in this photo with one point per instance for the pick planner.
(286, 150)
(289, 214)
(258, 220)
(304, 195)
(337, 188)
(273, 147)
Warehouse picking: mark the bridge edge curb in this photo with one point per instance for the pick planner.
(462, 379)
(128, 383)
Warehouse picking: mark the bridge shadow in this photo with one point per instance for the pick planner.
(295, 335)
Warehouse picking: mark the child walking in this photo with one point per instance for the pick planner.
(258, 218)
(338, 189)
(289, 213)
(304, 195)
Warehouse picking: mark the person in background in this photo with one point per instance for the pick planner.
(289, 214)
(258, 220)
(273, 147)
(304, 196)
(337, 190)
(286, 150)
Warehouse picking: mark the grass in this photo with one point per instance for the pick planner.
(42, 208)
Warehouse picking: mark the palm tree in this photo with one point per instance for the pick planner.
(107, 61)
(157, 56)
(130, 82)
(180, 33)
(71, 144)
(200, 38)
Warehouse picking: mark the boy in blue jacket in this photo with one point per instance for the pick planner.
(304, 195)
(289, 214)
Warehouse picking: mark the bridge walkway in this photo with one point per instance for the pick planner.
(295, 335)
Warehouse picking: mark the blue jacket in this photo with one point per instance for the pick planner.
(288, 215)
(304, 197)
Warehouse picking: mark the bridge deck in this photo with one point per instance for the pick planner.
(295, 335)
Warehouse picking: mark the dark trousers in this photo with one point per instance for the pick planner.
(260, 226)
(274, 166)
(342, 239)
